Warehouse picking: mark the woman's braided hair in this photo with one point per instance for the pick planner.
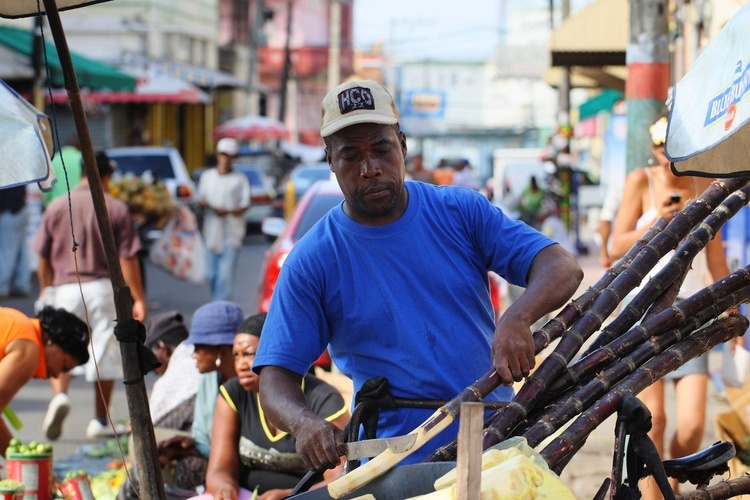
(66, 330)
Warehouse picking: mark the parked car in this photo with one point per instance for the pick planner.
(321, 197)
(262, 192)
(298, 182)
(164, 163)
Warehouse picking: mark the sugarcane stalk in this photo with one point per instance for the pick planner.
(677, 266)
(668, 318)
(436, 423)
(651, 371)
(723, 489)
(555, 327)
(532, 391)
(583, 397)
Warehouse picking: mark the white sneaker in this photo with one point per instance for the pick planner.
(56, 412)
(96, 430)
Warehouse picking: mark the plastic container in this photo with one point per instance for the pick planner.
(77, 488)
(34, 471)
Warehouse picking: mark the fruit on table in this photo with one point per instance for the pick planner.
(11, 485)
(17, 447)
(74, 474)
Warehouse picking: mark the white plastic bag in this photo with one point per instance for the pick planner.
(735, 367)
(180, 250)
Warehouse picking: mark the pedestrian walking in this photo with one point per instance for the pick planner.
(59, 273)
(225, 196)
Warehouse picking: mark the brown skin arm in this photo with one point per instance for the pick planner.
(223, 460)
(284, 404)
(624, 232)
(44, 274)
(16, 368)
(553, 278)
(604, 228)
(131, 273)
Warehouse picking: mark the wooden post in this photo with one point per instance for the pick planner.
(147, 463)
(469, 465)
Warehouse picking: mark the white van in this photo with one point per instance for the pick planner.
(512, 170)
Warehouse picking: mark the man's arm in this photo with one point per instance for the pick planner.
(44, 274)
(284, 403)
(553, 278)
(131, 273)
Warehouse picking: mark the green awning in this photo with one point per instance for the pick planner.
(601, 102)
(91, 74)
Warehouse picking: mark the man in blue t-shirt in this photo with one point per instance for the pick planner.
(394, 282)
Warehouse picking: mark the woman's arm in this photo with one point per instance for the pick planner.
(16, 368)
(224, 461)
(624, 232)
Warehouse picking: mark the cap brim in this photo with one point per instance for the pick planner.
(348, 121)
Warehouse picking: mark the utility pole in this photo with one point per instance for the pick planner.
(287, 62)
(334, 43)
(254, 42)
(648, 75)
(37, 62)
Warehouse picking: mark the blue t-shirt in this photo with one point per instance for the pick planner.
(408, 301)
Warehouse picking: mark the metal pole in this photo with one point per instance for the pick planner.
(147, 463)
(253, 105)
(648, 75)
(334, 44)
(287, 62)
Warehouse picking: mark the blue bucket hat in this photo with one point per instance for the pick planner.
(215, 323)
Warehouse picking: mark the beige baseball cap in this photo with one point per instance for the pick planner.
(357, 101)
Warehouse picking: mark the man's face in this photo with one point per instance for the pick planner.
(368, 160)
(224, 162)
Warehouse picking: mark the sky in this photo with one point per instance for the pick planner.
(446, 29)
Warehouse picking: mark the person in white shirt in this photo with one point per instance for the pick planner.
(225, 196)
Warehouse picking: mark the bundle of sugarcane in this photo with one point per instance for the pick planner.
(533, 392)
(585, 315)
(694, 345)
(630, 273)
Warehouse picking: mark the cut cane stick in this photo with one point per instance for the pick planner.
(671, 359)
(533, 390)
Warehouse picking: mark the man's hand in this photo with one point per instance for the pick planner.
(226, 493)
(513, 349)
(318, 442)
(176, 447)
(140, 310)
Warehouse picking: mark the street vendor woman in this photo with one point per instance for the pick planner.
(394, 281)
(42, 347)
